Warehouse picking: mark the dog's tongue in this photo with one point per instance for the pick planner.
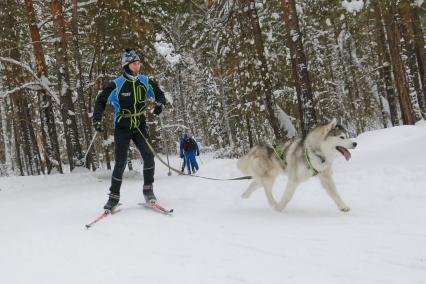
(346, 153)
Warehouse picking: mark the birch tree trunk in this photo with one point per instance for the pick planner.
(5, 133)
(2, 145)
(91, 91)
(299, 66)
(8, 133)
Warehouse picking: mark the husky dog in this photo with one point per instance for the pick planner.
(299, 159)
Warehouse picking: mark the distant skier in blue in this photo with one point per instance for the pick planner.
(188, 150)
(183, 158)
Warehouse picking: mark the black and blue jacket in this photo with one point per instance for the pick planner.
(129, 99)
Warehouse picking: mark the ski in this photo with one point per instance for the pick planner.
(157, 207)
(105, 214)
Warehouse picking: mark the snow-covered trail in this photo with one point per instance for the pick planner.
(215, 236)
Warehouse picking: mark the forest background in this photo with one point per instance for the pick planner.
(237, 72)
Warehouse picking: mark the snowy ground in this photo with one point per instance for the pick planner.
(215, 236)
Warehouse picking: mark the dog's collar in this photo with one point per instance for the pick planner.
(309, 163)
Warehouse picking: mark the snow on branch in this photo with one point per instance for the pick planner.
(177, 126)
(29, 85)
(285, 122)
(418, 3)
(82, 4)
(79, 5)
(166, 50)
(353, 6)
(42, 81)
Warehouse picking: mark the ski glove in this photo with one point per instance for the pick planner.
(158, 109)
(98, 126)
(198, 153)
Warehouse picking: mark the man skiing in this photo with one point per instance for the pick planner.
(183, 157)
(128, 94)
(188, 150)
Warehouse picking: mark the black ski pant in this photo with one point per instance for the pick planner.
(122, 139)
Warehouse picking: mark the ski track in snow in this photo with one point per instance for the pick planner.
(215, 236)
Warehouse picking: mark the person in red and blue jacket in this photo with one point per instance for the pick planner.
(189, 149)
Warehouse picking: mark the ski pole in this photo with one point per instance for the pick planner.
(90, 146)
(167, 150)
(199, 158)
(103, 215)
(106, 213)
(181, 164)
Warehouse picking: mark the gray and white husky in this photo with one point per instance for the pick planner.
(300, 159)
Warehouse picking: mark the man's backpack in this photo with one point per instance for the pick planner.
(189, 145)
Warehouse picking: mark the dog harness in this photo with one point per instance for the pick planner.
(279, 155)
(309, 163)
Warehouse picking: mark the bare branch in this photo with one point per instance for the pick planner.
(25, 86)
(42, 81)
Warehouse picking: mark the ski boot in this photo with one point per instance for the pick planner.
(112, 202)
(148, 194)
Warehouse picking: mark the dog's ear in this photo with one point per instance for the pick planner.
(330, 126)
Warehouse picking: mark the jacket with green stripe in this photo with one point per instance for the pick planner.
(129, 99)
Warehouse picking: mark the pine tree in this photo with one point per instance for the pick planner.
(299, 66)
(67, 108)
(48, 129)
(394, 38)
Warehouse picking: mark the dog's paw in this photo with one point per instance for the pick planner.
(278, 208)
(345, 209)
(245, 195)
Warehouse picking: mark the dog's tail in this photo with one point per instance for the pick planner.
(243, 164)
